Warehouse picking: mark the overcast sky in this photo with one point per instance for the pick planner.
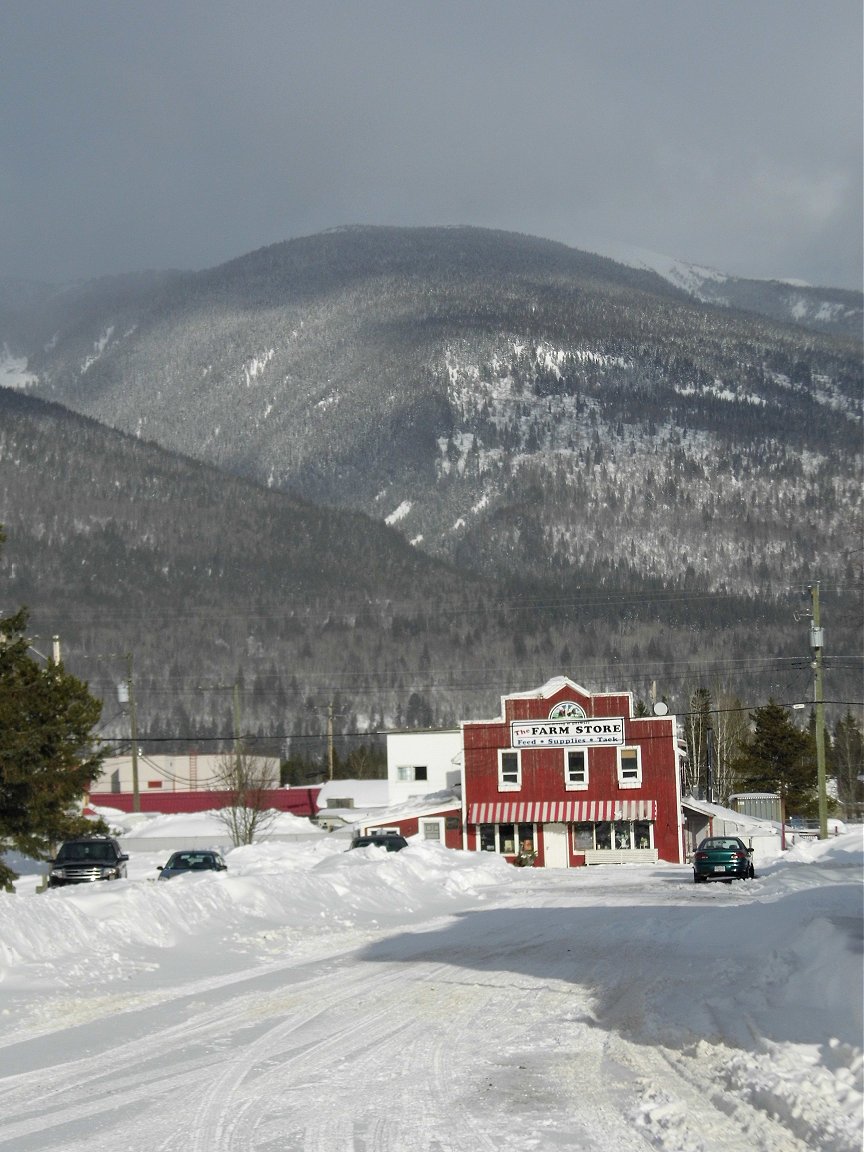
(182, 133)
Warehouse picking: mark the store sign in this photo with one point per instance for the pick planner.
(563, 733)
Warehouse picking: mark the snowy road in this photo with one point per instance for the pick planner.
(440, 1003)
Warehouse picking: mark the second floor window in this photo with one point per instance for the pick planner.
(407, 772)
(576, 768)
(629, 768)
(509, 771)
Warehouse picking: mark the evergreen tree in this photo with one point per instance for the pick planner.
(48, 751)
(778, 757)
(848, 757)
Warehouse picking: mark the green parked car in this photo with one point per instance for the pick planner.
(723, 858)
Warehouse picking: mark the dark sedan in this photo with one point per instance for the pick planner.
(188, 861)
(722, 858)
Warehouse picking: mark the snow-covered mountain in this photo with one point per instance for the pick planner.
(822, 309)
(561, 428)
(509, 404)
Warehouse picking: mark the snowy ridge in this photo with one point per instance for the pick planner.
(14, 372)
(792, 300)
(689, 277)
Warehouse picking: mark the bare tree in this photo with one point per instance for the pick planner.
(720, 710)
(731, 730)
(247, 779)
(696, 722)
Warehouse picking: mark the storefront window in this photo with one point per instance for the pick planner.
(641, 834)
(609, 834)
(603, 834)
(526, 837)
(507, 839)
(583, 836)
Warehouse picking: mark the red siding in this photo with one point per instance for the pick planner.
(299, 801)
(410, 825)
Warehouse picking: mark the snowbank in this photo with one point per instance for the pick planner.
(749, 992)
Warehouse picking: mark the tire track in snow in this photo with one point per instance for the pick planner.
(368, 992)
(161, 1061)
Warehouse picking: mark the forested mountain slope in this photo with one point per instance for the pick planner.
(208, 581)
(507, 403)
(644, 480)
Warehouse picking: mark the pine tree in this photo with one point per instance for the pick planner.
(48, 752)
(778, 757)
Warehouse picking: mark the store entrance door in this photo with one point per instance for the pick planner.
(555, 845)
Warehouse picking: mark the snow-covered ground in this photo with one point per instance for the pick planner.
(318, 1000)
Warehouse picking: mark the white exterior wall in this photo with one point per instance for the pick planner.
(440, 753)
(174, 774)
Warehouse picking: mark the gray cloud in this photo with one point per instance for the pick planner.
(181, 134)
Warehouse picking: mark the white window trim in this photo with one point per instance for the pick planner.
(574, 785)
(637, 783)
(506, 786)
(423, 821)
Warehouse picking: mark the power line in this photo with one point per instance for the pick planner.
(252, 738)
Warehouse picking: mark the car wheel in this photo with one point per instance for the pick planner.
(698, 879)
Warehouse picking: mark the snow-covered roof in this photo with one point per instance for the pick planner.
(362, 793)
(728, 815)
(548, 689)
(417, 807)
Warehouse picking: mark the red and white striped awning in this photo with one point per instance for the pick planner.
(560, 811)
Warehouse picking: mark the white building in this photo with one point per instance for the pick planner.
(187, 773)
(419, 763)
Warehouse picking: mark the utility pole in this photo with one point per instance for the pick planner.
(330, 740)
(709, 763)
(235, 697)
(816, 643)
(133, 723)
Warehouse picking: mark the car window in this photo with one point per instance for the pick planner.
(86, 851)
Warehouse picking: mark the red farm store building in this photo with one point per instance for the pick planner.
(566, 777)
